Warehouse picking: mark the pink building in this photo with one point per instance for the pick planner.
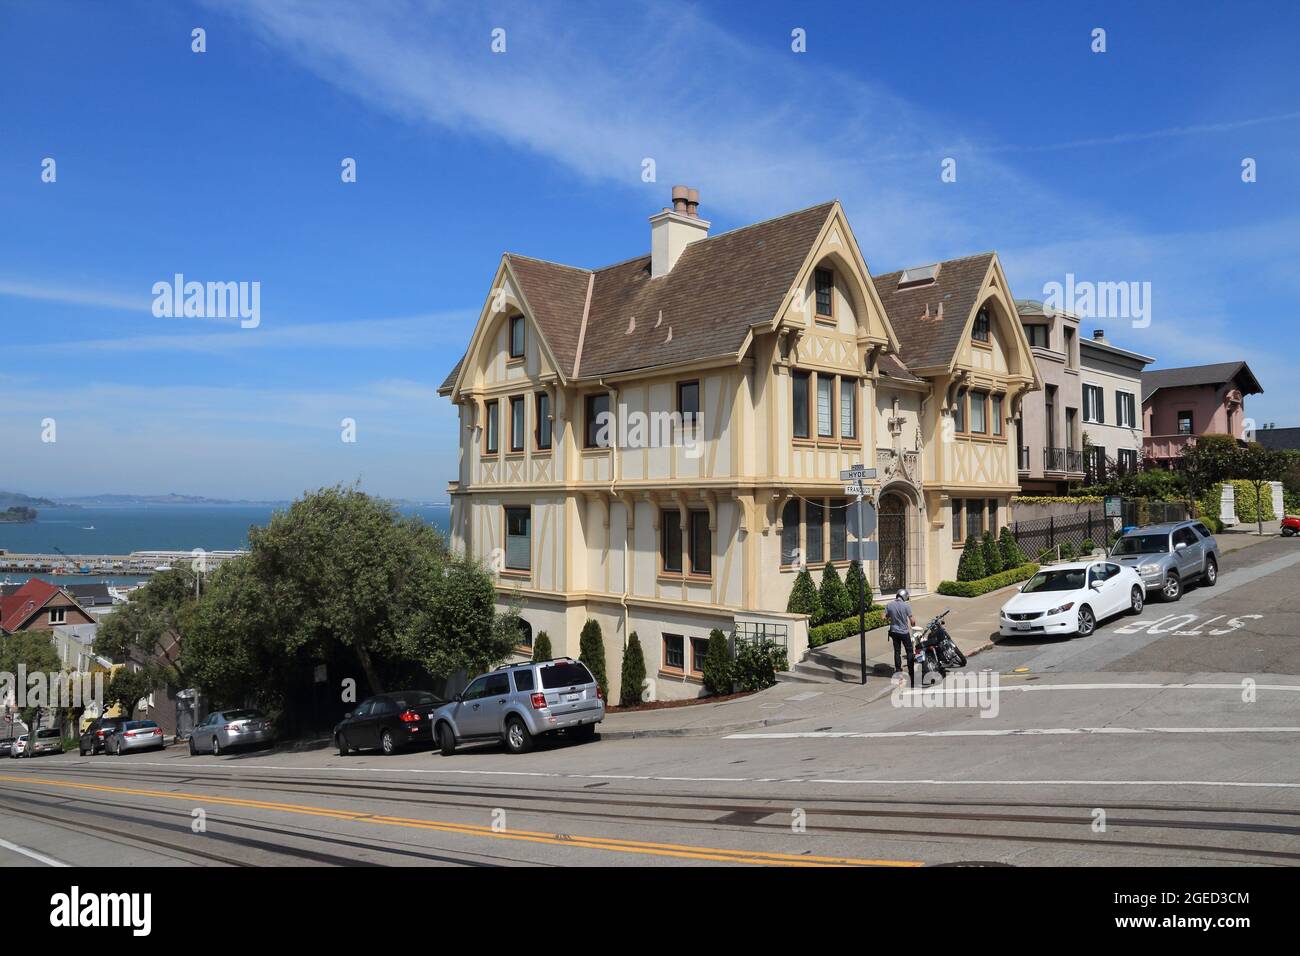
(1180, 403)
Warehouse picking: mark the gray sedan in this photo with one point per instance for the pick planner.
(135, 735)
(225, 729)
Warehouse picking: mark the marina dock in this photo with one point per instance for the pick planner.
(142, 563)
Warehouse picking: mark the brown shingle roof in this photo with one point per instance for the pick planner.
(557, 295)
(931, 342)
(1217, 374)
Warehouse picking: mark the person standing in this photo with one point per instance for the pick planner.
(898, 613)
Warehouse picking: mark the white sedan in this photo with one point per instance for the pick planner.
(1072, 598)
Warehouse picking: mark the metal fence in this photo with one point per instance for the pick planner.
(1070, 532)
(759, 632)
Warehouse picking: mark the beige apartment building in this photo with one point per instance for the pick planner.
(656, 444)
(1049, 432)
(1111, 379)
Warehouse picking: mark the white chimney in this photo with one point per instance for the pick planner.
(672, 230)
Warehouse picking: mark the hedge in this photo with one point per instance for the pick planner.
(1245, 494)
(990, 583)
(838, 630)
(1056, 500)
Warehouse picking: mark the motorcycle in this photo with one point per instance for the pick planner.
(936, 651)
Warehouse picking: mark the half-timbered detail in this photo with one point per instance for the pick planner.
(657, 444)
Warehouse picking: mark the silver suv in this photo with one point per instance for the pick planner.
(519, 702)
(1167, 556)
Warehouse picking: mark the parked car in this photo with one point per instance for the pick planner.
(135, 735)
(1290, 526)
(1168, 556)
(518, 703)
(6, 746)
(95, 737)
(389, 722)
(1072, 598)
(223, 730)
(20, 744)
(49, 740)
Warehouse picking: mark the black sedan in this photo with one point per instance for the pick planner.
(94, 739)
(388, 722)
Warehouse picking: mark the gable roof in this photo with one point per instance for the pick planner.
(931, 342)
(718, 289)
(18, 607)
(1217, 374)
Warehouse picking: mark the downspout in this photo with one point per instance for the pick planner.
(627, 523)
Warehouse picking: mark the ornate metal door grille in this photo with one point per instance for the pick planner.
(892, 531)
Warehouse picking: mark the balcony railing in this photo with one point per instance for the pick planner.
(1062, 460)
(1166, 446)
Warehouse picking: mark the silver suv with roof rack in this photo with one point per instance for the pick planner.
(1168, 556)
(517, 703)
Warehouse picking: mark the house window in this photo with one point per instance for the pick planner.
(517, 336)
(974, 517)
(525, 640)
(790, 533)
(956, 521)
(799, 403)
(1037, 335)
(519, 540)
(849, 408)
(824, 280)
(839, 530)
(688, 404)
(1069, 349)
(814, 545)
(1127, 459)
(58, 615)
(699, 650)
(517, 431)
(490, 433)
(1125, 410)
(544, 423)
(995, 405)
(598, 406)
(825, 406)
(670, 539)
(1184, 423)
(701, 543)
(980, 331)
(1093, 410)
(674, 653)
(959, 413)
(979, 413)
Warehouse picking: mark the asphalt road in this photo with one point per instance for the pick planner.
(1165, 739)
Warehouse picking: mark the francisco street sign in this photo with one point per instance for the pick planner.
(857, 473)
(857, 489)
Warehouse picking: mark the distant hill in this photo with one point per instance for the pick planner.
(109, 501)
(14, 499)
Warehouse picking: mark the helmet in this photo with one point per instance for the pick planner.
(902, 594)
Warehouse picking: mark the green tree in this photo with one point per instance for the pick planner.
(128, 686)
(152, 627)
(34, 652)
(1012, 554)
(971, 565)
(591, 652)
(855, 582)
(718, 668)
(1212, 458)
(992, 556)
(836, 605)
(1259, 466)
(804, 598)
(633, 674)
(542, 647)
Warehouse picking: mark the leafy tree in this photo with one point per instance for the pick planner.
(151, 628)
(542, 647)
(1260, 465)
(34, 652)
(1211, 459)
(804, 598)
(971, 565)
(855, 582)
(633, 673)
(1012, 554)
(718, 667)
(835, 601)
(127, 687)
(992, 556)
(592, 653)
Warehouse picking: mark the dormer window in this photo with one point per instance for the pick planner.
(824, 283)
(517, 336)
(980, 332)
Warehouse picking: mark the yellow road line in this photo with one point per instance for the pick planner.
(682, 851)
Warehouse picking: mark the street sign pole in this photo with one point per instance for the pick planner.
(858, 475)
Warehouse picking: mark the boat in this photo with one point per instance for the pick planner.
(91, 528)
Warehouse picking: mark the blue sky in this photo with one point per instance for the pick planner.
(224, 166)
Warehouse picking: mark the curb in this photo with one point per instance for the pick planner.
(696, 731)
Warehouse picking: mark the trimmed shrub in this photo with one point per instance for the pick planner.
(757, 665)
(855, 582)
(1047, 554)
(632, 677)
(592, 653)
(990, 583)
(1247, 511)
(838, 630)
(971, 565)
(804, 598)
(718, 669)
(542, 647)
(1012, 554)
(834, 596)
(1087, 547)
(992, 556)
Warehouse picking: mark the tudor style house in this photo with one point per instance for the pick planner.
(656, 444)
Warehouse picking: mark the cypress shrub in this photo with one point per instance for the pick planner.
(804, 598)
(992, 556)
(855, 583)
(1013, 556)
(971, 565)
(633, 673)
(834, 596)
(718, 669)
(542, 647)
(592, 653)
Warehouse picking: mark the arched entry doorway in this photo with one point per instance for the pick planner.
(892, 531)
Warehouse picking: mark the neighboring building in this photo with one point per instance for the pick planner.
(1179, 404)
(1112, 419)
(1049, 435)
(743, 372)
(39, 606)
(1279, 439)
